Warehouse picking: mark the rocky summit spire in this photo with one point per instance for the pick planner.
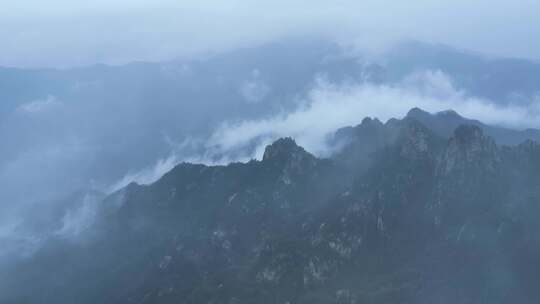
(417, 113)
(282, 148)
(471, 141)
(470, 148)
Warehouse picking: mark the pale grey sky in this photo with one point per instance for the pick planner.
(61, 33)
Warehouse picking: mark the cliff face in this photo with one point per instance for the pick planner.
(400, 215)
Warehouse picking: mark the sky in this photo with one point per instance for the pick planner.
(65, 33)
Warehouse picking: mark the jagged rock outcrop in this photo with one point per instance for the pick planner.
(444, 123)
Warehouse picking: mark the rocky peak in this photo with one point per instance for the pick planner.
(470, 139)
(468, 148)
(438, 119)
(415, 138)
(367, 128)
(449, 114)
(417, 113)
(371, 122)
(291, 160)
(283, 149)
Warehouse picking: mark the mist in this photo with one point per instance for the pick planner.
(106, 107)
(34, 34)
(331, 106)
(68, 134)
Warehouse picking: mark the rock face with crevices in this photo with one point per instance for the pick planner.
(401, 214)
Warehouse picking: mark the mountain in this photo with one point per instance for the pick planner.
(98, 123)
(89, 127)
(503, 80)
(402, 214)
(443, 123)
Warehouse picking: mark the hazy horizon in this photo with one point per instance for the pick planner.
(65, 33)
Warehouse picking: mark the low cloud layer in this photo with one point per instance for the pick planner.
(331, 106)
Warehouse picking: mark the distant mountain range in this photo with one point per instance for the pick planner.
(432, 208)
(288, 67)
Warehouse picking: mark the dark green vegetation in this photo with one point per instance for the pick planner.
(405, 213)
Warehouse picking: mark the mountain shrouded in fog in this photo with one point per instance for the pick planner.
(406, 212)
(283, 152)
(75, 225)
(90, 127)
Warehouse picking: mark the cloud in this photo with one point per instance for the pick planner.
(255, 89)
(147, 175)
(14, 242)
(39, 105)
(78, 220)
(7, 228)
(191, 150)
(37, 175)
(331, 106)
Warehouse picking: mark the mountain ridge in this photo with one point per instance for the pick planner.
(400, 214)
